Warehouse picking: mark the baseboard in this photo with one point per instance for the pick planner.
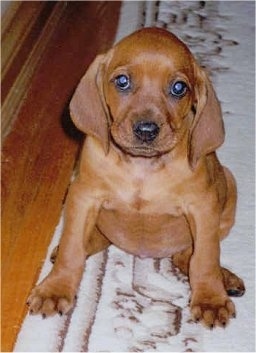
(26, 33)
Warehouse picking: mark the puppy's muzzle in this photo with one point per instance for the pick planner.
(146, 131)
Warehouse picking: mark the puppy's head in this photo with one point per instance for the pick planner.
(146, 95)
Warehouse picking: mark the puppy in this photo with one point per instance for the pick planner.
(149, 179)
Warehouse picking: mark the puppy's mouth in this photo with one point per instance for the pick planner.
(139, 151)
(143, 138)
(142, 151)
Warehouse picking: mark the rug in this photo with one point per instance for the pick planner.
(128, 304)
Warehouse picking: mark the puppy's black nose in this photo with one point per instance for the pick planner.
(146, 131)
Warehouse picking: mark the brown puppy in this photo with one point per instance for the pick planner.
(149, 180)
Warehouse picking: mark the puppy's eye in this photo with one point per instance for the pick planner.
(122, 82)
(178, 89)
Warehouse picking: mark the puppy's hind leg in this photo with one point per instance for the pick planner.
(233, 284)
(54, 254)
(96, 243)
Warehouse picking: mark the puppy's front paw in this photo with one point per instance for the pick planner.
(53, 295)
(212, 309)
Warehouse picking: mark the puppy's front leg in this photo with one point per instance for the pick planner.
(56, 293)
(209, 300)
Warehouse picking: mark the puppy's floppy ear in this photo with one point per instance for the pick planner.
(88, 109)
(207, 131)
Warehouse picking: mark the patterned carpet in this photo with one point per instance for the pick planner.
(126, 304)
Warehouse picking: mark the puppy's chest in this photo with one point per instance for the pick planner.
(146, 195)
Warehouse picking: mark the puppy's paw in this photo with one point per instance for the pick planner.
(212, 310)
(233, 284)
(54, 254)
(52, 296)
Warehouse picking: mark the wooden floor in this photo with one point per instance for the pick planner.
(41, 147)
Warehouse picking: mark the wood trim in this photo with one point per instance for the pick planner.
(40, 150)
(15, 32)
(9, 15)
(23, 42)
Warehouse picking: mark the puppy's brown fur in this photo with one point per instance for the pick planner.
(149, 180)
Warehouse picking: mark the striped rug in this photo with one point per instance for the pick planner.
(126, 304)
